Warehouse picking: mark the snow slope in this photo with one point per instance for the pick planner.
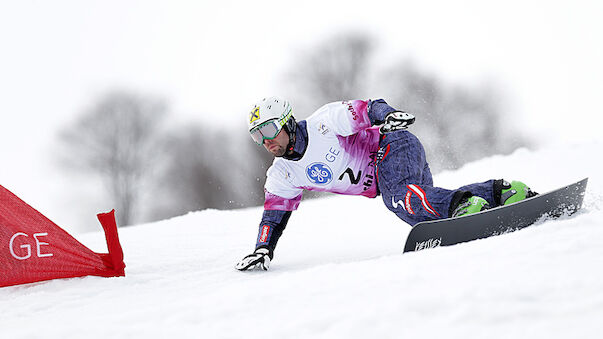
(339, 273)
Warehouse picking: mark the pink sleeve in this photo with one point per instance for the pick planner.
(275, 202)
(347, 117)
(359, 118)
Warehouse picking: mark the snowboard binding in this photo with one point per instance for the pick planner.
(506, 193)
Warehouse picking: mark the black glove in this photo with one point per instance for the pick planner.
(259, 259)
(395, 121)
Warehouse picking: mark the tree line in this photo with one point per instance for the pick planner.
(123, 140)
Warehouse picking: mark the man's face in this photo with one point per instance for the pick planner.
(278, 145)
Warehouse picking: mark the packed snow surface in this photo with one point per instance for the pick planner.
(339, 272)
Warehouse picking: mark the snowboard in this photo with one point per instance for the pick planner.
(503, 219)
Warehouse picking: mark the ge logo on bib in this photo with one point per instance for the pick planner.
(319, 173)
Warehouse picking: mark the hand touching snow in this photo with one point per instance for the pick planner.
(260, 260)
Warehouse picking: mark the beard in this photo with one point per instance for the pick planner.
(278, 151)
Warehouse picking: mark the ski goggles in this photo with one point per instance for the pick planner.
(265, 131)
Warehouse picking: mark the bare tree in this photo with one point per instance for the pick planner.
(205, 168)
(116, 140)
(194, 177)
(456, 124)
(334, 70)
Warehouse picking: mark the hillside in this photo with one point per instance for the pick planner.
(338, 272)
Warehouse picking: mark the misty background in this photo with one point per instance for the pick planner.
(141, 106)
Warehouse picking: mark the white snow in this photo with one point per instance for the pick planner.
(338, 272)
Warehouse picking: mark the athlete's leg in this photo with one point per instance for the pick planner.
(405, 180)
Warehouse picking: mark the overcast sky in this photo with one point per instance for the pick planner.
(212, 60)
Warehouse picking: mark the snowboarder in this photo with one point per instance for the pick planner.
(355, 147)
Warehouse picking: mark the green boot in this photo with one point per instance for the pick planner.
(508, 193)
(472, 205)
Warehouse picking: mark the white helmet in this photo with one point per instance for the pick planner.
(268, 117)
